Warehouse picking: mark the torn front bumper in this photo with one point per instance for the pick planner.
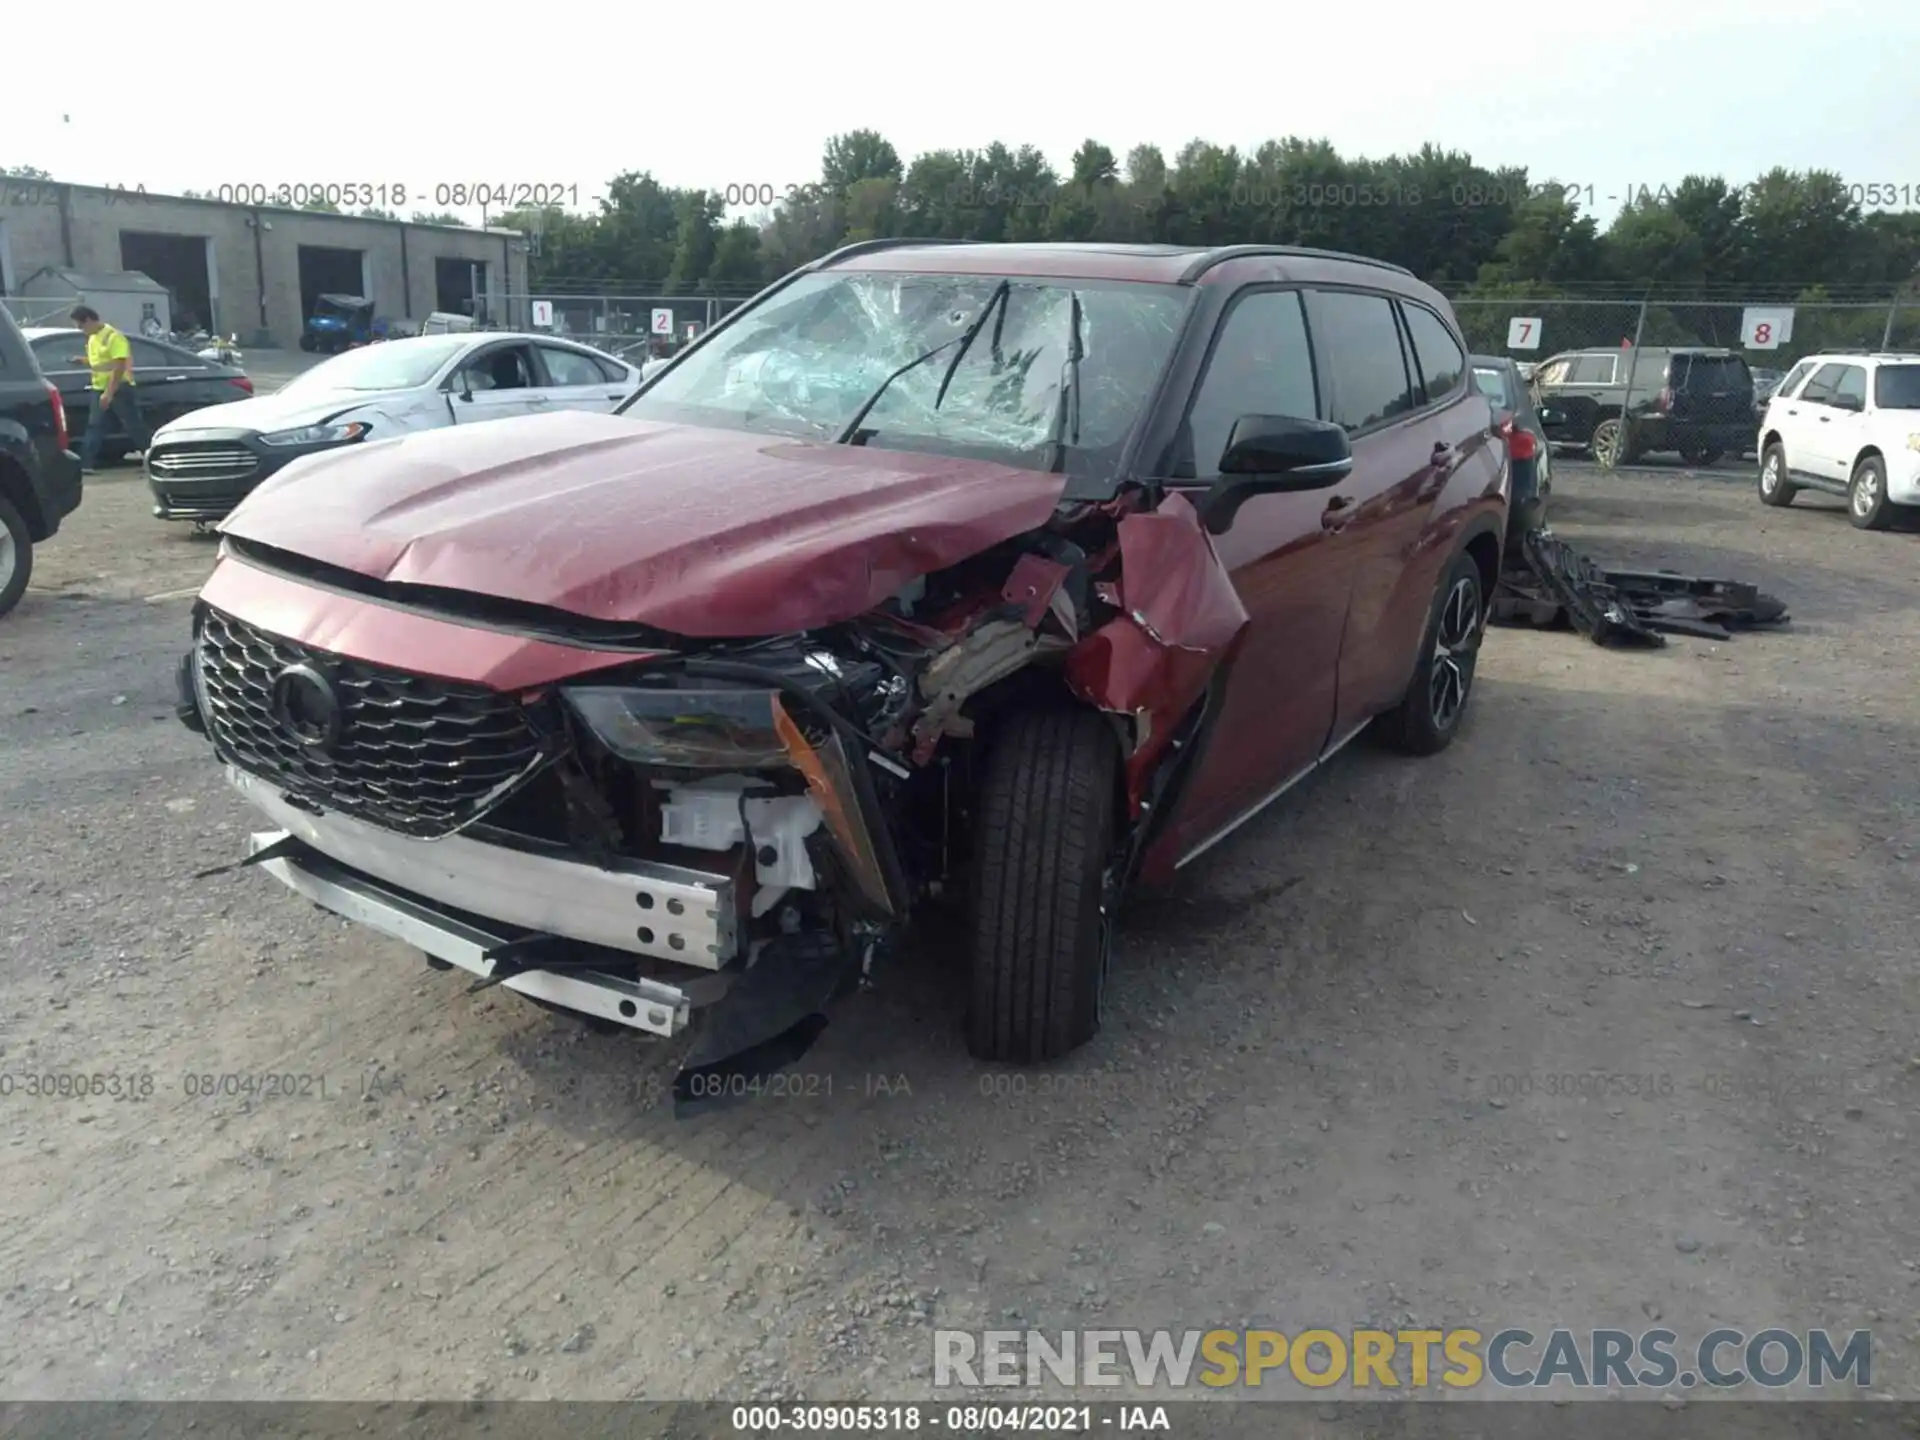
(640, 1003)
(660, 912)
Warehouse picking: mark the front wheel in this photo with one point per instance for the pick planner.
(1428, 715)
(1867, 504)
(1045, 886)
(1775, 488)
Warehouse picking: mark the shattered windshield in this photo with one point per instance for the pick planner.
(805, 362)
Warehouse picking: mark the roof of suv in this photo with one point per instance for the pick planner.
(1162, 264)
(1647, 350)
(1863, 357)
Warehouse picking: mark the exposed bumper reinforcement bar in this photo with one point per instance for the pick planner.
(685, 917)
(637, 1003)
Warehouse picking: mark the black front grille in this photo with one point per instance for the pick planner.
(413, 754)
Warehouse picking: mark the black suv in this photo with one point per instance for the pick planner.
(1691, 399)
(39, 474)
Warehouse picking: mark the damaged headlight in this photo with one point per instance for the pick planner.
(691, 729)
(741, 729)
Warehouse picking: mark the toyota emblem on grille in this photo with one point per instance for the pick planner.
(306, 707)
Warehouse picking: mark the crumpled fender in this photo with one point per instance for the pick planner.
(1182, 618)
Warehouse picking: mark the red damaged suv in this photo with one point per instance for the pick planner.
(993, 578)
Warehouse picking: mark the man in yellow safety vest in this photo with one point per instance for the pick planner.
(110, 359)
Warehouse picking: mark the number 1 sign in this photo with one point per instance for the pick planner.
(1765, 329)
(1523, 332)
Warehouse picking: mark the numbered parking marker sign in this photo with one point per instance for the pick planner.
(663, 322)
(1766, 329)
(543, 314)
(1523, 332)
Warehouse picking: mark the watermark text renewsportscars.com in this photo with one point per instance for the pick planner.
(1513, 1358)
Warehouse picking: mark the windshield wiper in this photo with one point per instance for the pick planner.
(848, 435)
(997, 298)
(1066, 426)
(963, 340)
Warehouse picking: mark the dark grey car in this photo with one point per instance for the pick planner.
(1499, 379)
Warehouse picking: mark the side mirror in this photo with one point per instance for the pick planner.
(1274, 455)
(461, 385)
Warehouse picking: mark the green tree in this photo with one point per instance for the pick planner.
(24, 172)
(855, 156)
(435, 217)
(696, 241)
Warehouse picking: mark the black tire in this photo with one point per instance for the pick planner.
(1042, 897)
(1775, 488)
(16, 555)
(1712, 456)
(1429, 714)
(1867, 504)
(308, 344)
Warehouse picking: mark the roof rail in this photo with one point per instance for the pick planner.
(868, 247)
(1224, 253)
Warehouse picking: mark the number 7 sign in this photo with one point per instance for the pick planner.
(1523, 332)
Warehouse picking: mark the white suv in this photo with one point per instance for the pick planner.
(1849, 425)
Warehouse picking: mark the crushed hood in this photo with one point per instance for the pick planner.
(697, 532)
(282, 410)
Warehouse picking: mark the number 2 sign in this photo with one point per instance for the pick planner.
(1523, 332)
(1765, 329)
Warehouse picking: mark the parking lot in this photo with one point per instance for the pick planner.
(1609, 1015)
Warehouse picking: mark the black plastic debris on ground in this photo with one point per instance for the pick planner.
(1548, 583)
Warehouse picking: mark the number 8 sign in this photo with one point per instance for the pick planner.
(1523, 332)
(1765, 329)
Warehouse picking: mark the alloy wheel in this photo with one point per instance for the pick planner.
(1770, 474)
(9, 557)
(1606, 444)
(1866, 494)
(1455, 646)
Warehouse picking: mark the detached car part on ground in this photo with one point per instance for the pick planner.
(1545, 582)
(870, 611)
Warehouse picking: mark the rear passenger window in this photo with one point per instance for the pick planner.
(1261, 365)
(1439, 355)
(1851, 387)
(1358, 340)
(1592, 370)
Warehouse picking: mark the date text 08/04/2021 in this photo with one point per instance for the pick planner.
(142, 1085)
(834, 1419)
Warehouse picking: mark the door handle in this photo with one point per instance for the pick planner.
(1338, 512)
(1826, 419)
(539, 400)
(173, 377)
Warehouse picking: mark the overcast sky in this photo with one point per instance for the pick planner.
(1618, 94)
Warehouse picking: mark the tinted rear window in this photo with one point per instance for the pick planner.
(1718, 373)
(1897, 387)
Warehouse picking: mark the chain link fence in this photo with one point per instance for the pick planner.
(658, 324)
(1771, 336)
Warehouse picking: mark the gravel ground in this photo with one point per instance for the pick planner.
(1330, 1095)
